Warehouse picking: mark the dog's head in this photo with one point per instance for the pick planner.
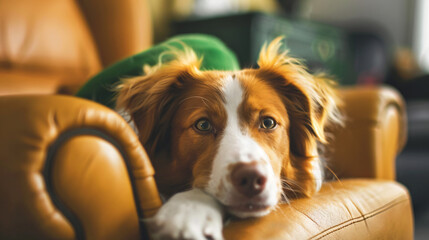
(248, 137)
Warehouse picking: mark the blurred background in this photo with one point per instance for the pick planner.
(52, 46)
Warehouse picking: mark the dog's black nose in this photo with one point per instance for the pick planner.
(248, 179)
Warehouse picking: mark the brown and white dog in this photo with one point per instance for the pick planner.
(242, 141)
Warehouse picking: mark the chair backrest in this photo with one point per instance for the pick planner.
(67, 41)
(120, 28)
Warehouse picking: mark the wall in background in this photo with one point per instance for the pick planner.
(421, 34)
(396, 17)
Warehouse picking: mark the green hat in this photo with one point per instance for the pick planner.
(216, 56)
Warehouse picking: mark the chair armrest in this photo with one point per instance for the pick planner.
(374, 133)
(351, 209)
(71, 168)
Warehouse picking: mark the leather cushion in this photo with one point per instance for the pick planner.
(46, 36)
(350, 209)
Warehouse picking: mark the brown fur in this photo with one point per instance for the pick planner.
(166, 102)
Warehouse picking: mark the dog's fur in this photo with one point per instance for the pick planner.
(200, 126)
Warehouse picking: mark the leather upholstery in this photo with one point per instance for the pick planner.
(350, 209)
(66, 41)
(119, 28)
(27, 82)
(99, 176)
(374, 134)
(69, 168)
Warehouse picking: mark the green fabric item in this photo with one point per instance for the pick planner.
(216, 56)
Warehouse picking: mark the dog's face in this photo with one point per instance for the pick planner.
(234, 134)
(248, 138)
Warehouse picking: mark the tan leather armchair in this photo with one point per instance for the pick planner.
(71, 168)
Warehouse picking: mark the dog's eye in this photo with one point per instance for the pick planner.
(268, 123)
(203, 125)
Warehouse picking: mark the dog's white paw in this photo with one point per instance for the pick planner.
(188, 215)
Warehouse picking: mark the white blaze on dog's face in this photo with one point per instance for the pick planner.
(245, 175)
(246, 137)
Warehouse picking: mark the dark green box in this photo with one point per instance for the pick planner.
(323, 48)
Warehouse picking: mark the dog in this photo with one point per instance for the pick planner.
(229, 143)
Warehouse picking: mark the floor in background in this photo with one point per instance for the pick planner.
(413, 172)
(422, 225)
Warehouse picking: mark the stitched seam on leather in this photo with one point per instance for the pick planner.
(352, 221)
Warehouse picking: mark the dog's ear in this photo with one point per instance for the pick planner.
(150, 100)
(311, 105)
